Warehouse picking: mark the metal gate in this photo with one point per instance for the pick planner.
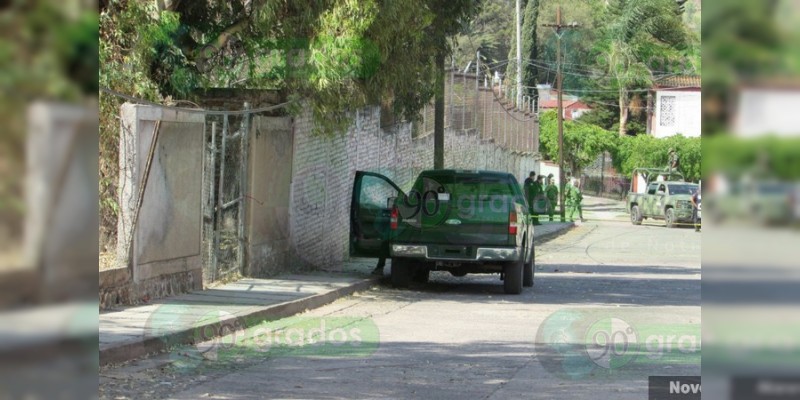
(224, 193)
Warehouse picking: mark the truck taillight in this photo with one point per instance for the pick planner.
(394, 217)
(512, 223)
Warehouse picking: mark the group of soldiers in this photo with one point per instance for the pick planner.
(543, 191)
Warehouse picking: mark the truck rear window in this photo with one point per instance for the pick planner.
(466, 184)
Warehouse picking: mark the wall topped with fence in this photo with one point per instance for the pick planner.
(212, 195)
(474, 105)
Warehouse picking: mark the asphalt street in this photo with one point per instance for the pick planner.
(611, 305)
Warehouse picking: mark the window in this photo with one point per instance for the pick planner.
(375, 192)
(667, 111)
(652, 188)
(682, 189)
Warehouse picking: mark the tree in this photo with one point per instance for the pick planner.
(583, 143)
(450, 16)
(338, 55)
(530, 48)
(647, 151)
(637, 34)
(491, 31)
(741, 41)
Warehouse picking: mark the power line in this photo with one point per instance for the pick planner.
(193, 110)
(617, 90)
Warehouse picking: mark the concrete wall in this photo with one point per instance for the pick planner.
(324, 168)
(61, 217)
(269, 183)
(167, 240)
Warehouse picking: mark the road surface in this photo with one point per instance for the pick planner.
(612, 304)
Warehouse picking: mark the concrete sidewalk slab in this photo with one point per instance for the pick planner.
(134, 332)
(604, 209)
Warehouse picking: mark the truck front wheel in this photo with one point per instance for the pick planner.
(669, 218)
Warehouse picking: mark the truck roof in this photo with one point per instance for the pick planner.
(463, 172)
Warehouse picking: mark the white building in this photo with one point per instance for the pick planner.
(767, 108)
(675, 108)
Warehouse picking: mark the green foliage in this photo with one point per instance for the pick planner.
(742, 41)
(583, 142)
(46, 53)
(636, 37)
(339, 55)
(492, 30)
(649, 152)
(767, 156)
(530, 48)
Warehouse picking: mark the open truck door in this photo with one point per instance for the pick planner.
(371, 213)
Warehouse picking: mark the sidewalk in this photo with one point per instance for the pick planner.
(603, 209)
(133, 332)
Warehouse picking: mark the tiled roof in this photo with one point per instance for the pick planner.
(679, 81)
(553, 103)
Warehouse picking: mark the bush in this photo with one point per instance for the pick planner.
(647, 151)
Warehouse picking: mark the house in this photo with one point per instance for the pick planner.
(674, 107)
(766, 108)
(572, 108)
(548, 100)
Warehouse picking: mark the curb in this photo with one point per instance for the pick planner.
(134, 349)
(552, 235)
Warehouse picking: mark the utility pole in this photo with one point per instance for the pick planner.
(558, 27)
(518, 99)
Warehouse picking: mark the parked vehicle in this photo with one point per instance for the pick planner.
(451, 220)
(657, 194)
(767, 202)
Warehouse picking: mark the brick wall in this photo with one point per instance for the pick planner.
(324, 168)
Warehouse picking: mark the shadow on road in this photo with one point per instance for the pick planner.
(573, 284)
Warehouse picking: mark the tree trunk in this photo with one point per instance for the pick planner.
(213, 47)
(623, 114)
(438, 113)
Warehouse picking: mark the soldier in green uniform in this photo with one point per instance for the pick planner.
(573, 199)
(552, 196)
(534, 190)
(527, 189)
(673, 163)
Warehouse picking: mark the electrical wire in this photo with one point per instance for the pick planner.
(193, 110)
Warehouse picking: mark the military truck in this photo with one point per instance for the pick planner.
(463, 222)
(659, 194)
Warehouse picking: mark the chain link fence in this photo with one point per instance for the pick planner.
(470, 105)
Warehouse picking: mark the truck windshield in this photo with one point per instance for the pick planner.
(682, 189)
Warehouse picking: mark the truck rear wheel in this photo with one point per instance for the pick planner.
(421, 275)
(636, 215)
(512, 284)
(527, 271)
(401, 273)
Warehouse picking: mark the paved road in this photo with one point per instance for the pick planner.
(612, 304)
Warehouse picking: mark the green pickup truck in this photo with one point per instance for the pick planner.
(451, 220)
(658, 195)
